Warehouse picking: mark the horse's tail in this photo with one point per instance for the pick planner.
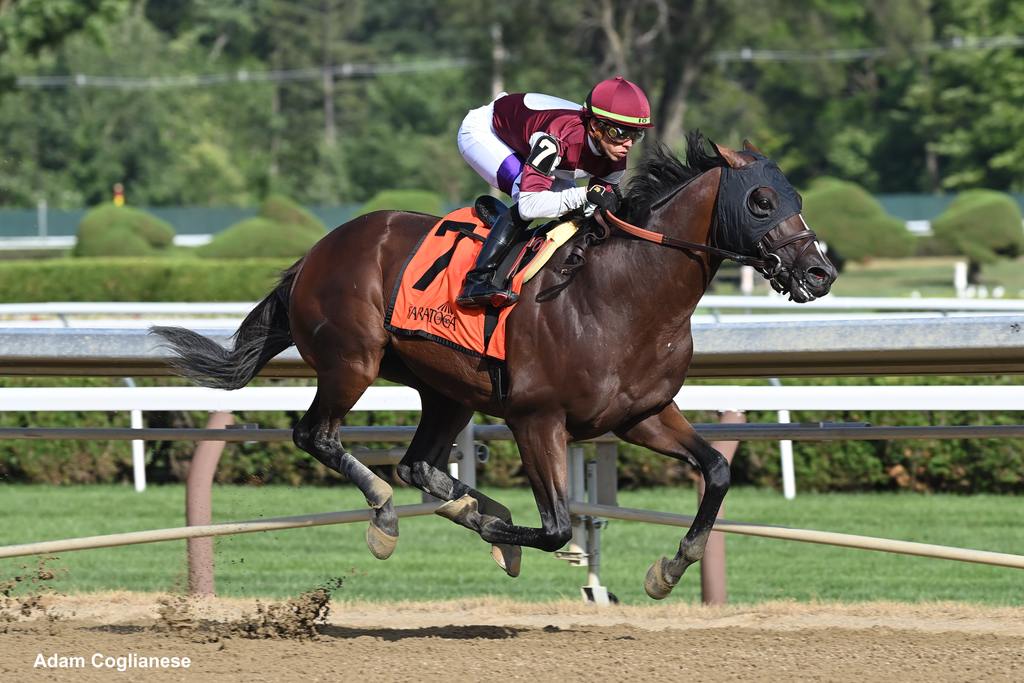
(262, 335)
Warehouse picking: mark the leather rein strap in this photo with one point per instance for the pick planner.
(770, 264)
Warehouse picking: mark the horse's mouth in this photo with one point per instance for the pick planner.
(803, 286)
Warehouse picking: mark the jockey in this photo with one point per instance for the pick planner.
(534, 148)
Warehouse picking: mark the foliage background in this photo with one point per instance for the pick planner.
(910, 96)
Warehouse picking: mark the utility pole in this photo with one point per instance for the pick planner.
(330, 130)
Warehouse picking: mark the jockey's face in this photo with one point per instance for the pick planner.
(613, 141)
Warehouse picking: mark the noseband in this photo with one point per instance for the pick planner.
(769, 254)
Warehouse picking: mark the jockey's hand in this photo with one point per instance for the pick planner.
(603, 197)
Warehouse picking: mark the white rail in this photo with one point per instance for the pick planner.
(696, 397)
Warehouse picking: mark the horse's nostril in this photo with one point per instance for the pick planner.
(818, 273)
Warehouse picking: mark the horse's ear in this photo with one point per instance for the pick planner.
(749, 147)
(734, 158)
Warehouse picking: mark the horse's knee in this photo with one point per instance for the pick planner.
(718, 477)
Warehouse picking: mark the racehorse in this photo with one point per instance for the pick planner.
(606, 354)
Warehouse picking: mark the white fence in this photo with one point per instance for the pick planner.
(782, 399)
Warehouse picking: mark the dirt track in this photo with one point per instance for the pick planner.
(489, 639)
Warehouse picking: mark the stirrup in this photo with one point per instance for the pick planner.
(480, 294)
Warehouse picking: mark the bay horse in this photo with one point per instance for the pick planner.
(608, 353)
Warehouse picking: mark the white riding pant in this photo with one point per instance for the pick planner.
(488, 155)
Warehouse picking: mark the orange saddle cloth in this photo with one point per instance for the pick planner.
(423, 302)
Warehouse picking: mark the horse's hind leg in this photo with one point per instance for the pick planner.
(425, 467)
(317, 433)
(669, 433)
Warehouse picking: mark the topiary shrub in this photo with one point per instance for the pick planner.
(982, 225)
(110, 230)
(282, 229)
(259, 238)
(422, 201)
(283, 210)
(853, 223)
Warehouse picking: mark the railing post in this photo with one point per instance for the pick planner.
(138, 454)
(466, 464)
(712, 567)
(199, 506)
(594, 592)
(577, 493)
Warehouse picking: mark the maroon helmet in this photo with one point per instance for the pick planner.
(620, 102)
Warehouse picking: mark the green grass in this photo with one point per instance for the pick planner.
(438, 560)
(930, 277)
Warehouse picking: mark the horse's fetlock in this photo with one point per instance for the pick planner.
(556, 540)
(405, 473)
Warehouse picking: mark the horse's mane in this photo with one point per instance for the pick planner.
(661, 172)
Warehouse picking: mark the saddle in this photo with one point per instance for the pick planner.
(423, 301)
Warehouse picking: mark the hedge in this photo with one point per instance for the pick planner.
(139, 279)
(282, 229)
(853, 223)
(982, 225)
(283, 210)
(110, 230)
(923, 465)
(258, 238)
(421, 201)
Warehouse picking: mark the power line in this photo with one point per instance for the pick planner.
(853, 54)
(346, 70)
(356, 70)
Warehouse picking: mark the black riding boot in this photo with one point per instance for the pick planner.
(480, 288)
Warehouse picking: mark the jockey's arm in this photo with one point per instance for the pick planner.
(537, 197)
(549, 203)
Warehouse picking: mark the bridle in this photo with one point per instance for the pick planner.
(768, 262)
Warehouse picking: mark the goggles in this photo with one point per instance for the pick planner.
(619, 134)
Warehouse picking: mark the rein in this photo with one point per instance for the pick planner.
(769, 262)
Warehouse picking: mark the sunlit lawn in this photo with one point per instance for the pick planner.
(436, 559)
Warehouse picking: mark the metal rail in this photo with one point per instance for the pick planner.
(822, 431)
(806, 535)
(947, 346)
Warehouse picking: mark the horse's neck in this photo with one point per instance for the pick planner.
(662, 284)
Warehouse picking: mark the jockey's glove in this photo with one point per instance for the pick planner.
(603, 197)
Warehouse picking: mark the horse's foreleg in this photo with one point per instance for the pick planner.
(669, 433)
(424, 466)
(542, 447)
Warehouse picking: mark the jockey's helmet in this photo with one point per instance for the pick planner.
(619, 102)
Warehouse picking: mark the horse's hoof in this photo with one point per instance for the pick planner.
(380, 543)
(656, 584)
(460, 510)
(508, 557)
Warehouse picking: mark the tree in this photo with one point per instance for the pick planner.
(667, 46)
(969, 104)
(31, 26)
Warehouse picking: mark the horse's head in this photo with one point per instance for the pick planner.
(758, 214)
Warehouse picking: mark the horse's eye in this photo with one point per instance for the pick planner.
(761, 202)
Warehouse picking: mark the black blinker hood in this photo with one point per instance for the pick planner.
(736, 227)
